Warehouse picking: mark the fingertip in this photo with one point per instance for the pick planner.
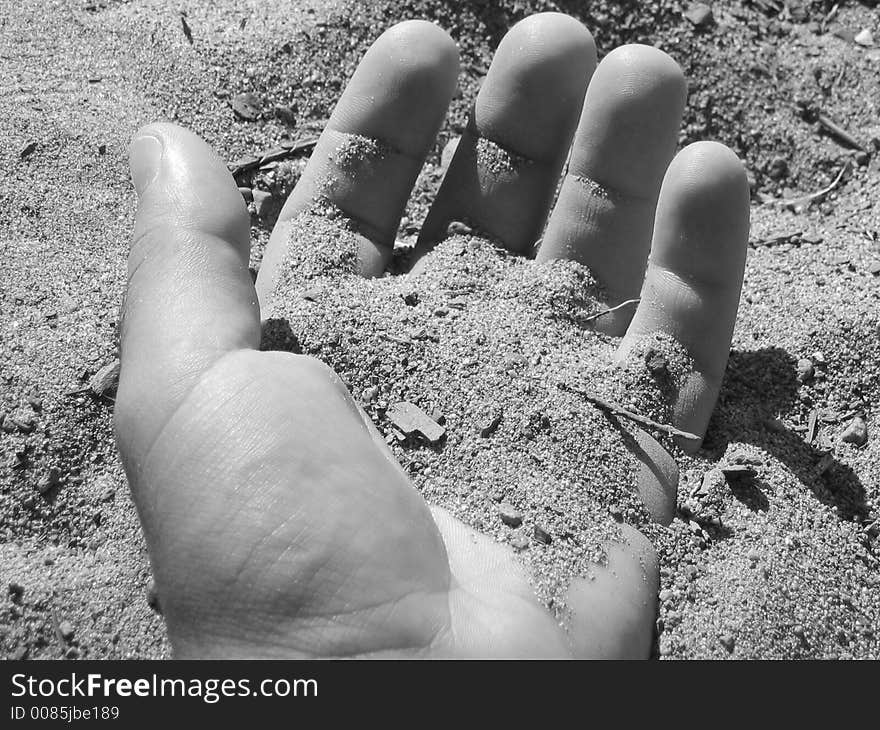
(401, 88)
(562, 32)
(630, 122)
(612, 615)
(182, 182)
(703, 216)
(547, 56)
(433, 46)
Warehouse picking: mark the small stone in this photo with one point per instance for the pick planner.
(458, 228)
(49, 481)
(286, 114)
(262, 202)
(411, 299)
(656, 363)
(247, 106)
(65, 628)
(665, 595)
(805, 369)
(874, 268)
(754, 555)
(864, 38)
(798, 631)
(542, 536)
(16, 590)
(519, 542)
(491, 425)
(700, 15)
(27, 150)
(509, 515)
(778, 168)
(72, 653)
(25, 424)
(311, 295)
(412, 420)
(103, 383)
(728, 642)
(369, 394)
(856, 432)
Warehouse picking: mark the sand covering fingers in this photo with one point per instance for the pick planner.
(481, 343)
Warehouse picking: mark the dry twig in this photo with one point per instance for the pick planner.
(594, 317)
(617, 410)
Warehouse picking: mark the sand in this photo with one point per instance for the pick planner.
(777, 560)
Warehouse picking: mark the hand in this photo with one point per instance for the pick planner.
(278, 524)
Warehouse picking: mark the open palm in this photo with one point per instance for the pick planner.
(278, 523)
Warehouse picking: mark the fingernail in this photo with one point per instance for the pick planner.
(144, 159)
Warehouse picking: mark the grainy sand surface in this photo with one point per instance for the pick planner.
(774, 557)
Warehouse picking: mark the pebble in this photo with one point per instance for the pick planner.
(700, 15)
(778, 168)
(412, 420)
(509, 515)
(370, 394)
(49, 480)
(16, 590)
(519, 542)
(856, 432)
(104, 382)
(542, 536)
(490, 426)
(247, 106)
(25, 424)
(665, 595)
(805, 369)
(458, 228)
(874, 268)
(286, 114)
(728, 642)
(262, 201)
(65, 628)
(656, 363)
(864, 38)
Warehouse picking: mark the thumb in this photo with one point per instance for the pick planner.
(181, 182)
(190, 297)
